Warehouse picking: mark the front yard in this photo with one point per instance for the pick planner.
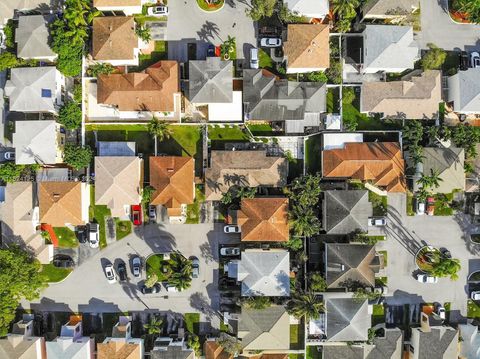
(192, 322)
(193, 210)
(379, 204)
(66, 237)
(473, 310)
(97, 214)
(52, 274)
(378, 314)
(122, 228)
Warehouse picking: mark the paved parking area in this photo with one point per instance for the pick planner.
(87, 290)
(405, 235)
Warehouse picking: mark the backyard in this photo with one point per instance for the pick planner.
(227, 133)
(313, 148)
(378, 314)
(160, 52)
(296, 337)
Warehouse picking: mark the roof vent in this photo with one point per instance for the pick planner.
(170, 170)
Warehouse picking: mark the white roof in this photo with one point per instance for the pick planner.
(333, 122)
(35, 142)
(337, 140)
(464, 91)
(32, 89)
(65, 347)
(228, 111)
(31, 37)
(309, 8)
(8, 7)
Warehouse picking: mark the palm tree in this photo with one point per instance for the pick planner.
(159, 129)
(143, 33)
(180, 280)
(447, 267)
(430, 181)
(305, 305)
(153, 328)
(345, 8)
(304, 222)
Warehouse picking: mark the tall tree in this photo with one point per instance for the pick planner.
(305, 305)
(447, 267)
(433, 180)
(345, 8)
(261, 9)
(77, 157)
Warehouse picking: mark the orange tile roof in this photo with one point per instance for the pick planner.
(60, 203)
(378, 162)
(114, 38)
(151, 90)
(264, 219)
(308, 46)
(172, 177)
(213, 350)
(118, 350)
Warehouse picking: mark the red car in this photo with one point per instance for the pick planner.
(430, 206)
(137, 214)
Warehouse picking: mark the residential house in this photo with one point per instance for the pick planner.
(71, 344)
(173, 180)
(21, 343)
(464, 91)
(118, 183)
(116, 148)
(245, 169)
(152, 90)
(211, 81)
(470, 344)
(448, 163)
(262, 272)
(414, 97)
(35, 89)
(213, 350)
(20, 220)
(437, 341)
(32, 38)
(263, 219)
(379, 163)
(63, 203)
(348, 264)
(8, 8)
(345, 212)
(388, 48)
(266, 330)
(393, 10)
(171, 348)
(114, 40)
(387, 345)
(293, 106)
(346, 319)
(121, 7)
(121, 345)
(38, 142)
(307, 48)
(313, 9)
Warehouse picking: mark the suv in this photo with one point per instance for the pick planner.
(195, 267)
(93, 235)
(231, 229)
(254, 58)
(122, 271)
(110, 274)
(152, 290)
(377, 221)
(63, 261)
(424, 278)
(81, 233)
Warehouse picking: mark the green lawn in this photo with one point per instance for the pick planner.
(97, 213)
(313, 148)
(66, 237)
(260, 129)
(264, 60)
(160, 52)
(313, 353)
(296, 337)
(473, 309)
(332, 100)
(156, 265)
(410, 209)
(227, 133)
(192, 322)
(295, 356)
(381, 280)
(378, 314)
(385, 257)
(352, 114)
(193, 210)
(53, 274)
(379, 204)
(122, 228)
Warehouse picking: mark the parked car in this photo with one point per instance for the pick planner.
(93, 236)
(171, 288)
(195, 266)
(254, 58)
(137, 214)
(122, 271)
(430, 206)
(230, 251)
(464, 61)
(425, 278)
(474, 59)
(441, 312)
(136, 266)
(211, 50)
(63, 261)
(9, 156)
(160, 10)
(152, 213)
(446, 253)
(420, 207)
(377, 221)
(270, 42)
(475, 295)
(81, 233)
(231, 229)
(110, 274)
(155, 289)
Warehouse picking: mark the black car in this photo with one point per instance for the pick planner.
(63, 261)
(81, 233)
(210, 50)
(155, 289)
(122, 271)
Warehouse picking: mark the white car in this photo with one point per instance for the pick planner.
(110, 274)
(441, 312)
(475, 295)
(377, 221)
(420, 208)
(231, 229)
(254, 58)
(93, 239)
(160, 10)
(136, 266)
(270, 42)
(475, 59)
(230, 251)
(425, 278)
(9, 156)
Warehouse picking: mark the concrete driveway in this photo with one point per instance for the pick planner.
(87, 290)
(440, 29)
(188, 23)
(405, 235)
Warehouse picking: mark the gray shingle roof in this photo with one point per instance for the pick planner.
(449, 162)
(440, 342)
(387, 7)
(172, 352)
(347, 319)
(464, 90)
(346, 211)
(281, 100)
(211, 81)
(31, 37)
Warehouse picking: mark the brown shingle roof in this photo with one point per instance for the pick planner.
(172, 177)
(150, 90)
(118, 350)
(60, 203)
(264, 219)
(213, 350)
(117, 3)
(114, 38)
(379, 162)
(308, 46)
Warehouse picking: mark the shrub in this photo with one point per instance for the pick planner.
(70, 115)
(348, 95)
(77, 156)
(334, 72)
(434, 58)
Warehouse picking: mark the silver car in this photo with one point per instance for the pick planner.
(136, 266)
(195, 267)
(270, 42)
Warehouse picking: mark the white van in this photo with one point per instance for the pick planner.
(254, 58)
